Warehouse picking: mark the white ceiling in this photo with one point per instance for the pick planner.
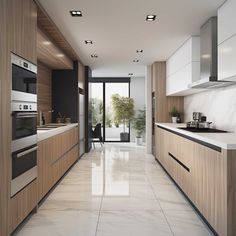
(118, 27)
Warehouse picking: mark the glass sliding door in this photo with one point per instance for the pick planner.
(113, 129)
(96, 105)
(102, 110)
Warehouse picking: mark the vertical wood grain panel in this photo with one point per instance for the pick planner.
(164, 104)
(44, 83)
(4, 116)
(23, 15)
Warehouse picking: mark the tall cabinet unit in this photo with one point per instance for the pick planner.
(18, 35)
(163, 104)
(227, 41)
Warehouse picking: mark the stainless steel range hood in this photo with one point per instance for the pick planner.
(208, 60)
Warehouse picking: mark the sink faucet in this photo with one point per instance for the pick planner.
(42, 120)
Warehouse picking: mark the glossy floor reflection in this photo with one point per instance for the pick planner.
(117, 190)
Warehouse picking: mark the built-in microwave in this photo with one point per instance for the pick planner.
(24, 80)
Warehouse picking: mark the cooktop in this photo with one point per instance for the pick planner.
(197, 130)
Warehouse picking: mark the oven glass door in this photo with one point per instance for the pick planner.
(23, 80)
(23, 160)
(24, 124)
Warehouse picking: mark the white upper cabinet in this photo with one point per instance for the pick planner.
(183, 68)
(226, 21)
(227, 41)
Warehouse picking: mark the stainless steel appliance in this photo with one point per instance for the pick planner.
(24, 168)
(24, 125)
(208, 60)
(24, 81)
(196, 116)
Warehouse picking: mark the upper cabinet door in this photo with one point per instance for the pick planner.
(226, 21)
(23, 28)
(227, 41)
(183, 68)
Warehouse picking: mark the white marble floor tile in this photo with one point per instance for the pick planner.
(130, 223)
(185, 223)
(114, 190)
(170, 198)
(61, 223)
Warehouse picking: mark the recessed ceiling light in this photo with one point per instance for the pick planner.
(76, 13)
(94, 56)
(88, 42)
(131, 74)
(46, 42)
(139, 50)
(136, 60)
(150, 17)
(60, 55)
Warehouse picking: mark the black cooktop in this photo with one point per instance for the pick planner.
(197, 130)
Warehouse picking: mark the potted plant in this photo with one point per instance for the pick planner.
(123, 108)
(139, 125)
(174, 114)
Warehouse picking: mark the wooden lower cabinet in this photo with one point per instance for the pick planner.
(55, 156)
(22, 204)
(205, 175)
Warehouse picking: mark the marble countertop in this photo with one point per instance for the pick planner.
(44, 134)
(223, 140)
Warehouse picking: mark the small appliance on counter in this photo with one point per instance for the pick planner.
(200, 125)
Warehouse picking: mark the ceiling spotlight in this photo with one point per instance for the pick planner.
(60, 55)
(88, 42)
(131, 74)
(76, 13)
(136, 60)
(94, 56)
(139, 50)
(46, 42)
(150, 17)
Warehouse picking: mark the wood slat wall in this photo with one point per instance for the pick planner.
(50, 28)
(164, 104)
(44, 81)
(51, 55)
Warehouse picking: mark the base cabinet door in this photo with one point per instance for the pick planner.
(55, 156)
(209, 186)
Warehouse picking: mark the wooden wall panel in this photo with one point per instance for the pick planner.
(51, 55)
(4, 116)
(164, 104)
(44, 80)
(50, 28)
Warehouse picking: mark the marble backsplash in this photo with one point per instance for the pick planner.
(219, 105)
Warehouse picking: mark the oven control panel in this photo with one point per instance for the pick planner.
(24, 106)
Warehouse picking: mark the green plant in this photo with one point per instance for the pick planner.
(174, 112)
(96, 110)
(139, 123)
(108, 117)
(123, 108)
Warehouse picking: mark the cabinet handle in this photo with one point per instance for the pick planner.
(179, 162)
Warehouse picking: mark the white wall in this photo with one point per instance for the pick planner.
(219, 105)
(137, 92)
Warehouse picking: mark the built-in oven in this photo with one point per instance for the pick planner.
(24, 81)
(24, 125)
(24, 168)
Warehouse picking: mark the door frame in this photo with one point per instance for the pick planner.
(104, 81)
